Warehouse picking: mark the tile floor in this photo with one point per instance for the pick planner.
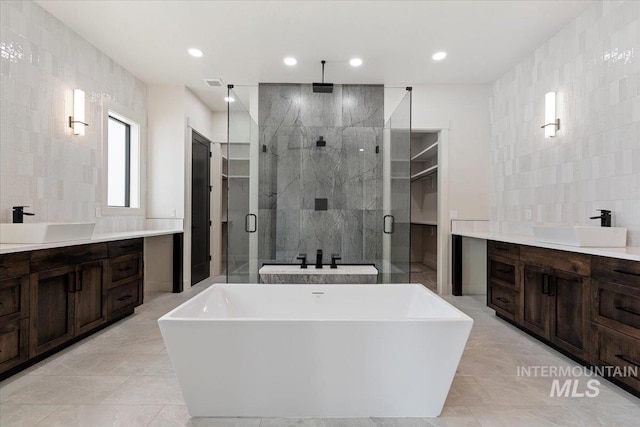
(421, 273)
(122, 376)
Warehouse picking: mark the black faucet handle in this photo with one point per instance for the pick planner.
(604, 211)
(334, 258)
(19, 208)
(303, 258)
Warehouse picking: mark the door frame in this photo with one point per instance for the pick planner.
(443, 231)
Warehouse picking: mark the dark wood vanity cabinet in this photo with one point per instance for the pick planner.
(534, 299)
(503, 271)
(14, 310)
(124, 278)
(587, 306)
(52, 308)
(52, 297)
(615, 316)
(569, 323)
(90, 296)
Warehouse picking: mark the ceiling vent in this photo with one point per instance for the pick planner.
(213, 82)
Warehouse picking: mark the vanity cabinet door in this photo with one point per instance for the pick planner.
(52, 309)
(14, 343)
(90, 296)
(535, 299)
(14, 298)
(570, 313)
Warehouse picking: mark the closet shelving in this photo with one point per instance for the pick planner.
(424, 197)
(425, 162)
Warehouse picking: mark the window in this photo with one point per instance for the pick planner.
(119, 155)
(122, 152)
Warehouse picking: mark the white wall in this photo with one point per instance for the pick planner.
(462, 113)
(464, 109)
(594, 162)
(42, 164)
(174, 111)
(166, 152)
(199, 117)
(219, 126)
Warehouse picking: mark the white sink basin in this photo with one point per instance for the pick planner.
(45, 232)
(579, 235)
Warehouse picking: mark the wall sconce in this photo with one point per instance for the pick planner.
(77, 121)
(551, 123)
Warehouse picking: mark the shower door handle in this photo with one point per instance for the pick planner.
(247, 221)
(393, 224)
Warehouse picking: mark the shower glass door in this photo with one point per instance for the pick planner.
(242, 222)
(396, 238)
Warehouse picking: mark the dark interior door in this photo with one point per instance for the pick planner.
(200, 235)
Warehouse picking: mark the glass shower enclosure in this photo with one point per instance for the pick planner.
(320, 171)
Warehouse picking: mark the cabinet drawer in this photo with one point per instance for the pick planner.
(123, 247)
(617, 307)
(503, 300)
(620, 271)
(14, 298)
(570, 262)
(123, 296)
(12, 265)
(503, 271)
(49, 259)
(611, 348)
(508, 250)
(14, 343)
(124, 269)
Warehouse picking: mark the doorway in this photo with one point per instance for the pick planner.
(200, 202)
(424, 207)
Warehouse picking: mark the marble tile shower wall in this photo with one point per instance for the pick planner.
(294, 171)
(594, 162)
(42, 164)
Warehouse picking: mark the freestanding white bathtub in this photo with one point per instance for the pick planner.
(315, 350)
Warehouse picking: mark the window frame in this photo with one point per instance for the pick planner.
(127, 160)
(136, 129)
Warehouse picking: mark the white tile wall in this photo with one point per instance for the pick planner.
(42, 164)
(594, 162)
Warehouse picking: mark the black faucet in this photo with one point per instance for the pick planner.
(319, 259)
(605, 218)
(303, 258)
(19, 213)
(334, 258)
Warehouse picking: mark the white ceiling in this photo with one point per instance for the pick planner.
(245, 42)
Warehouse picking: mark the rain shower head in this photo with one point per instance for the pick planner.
(323, 87)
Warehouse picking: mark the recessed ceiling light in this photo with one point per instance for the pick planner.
(362, 149)
(229, 99)
(356, 62)
(195, 52)
(439, 56)
(290, 61)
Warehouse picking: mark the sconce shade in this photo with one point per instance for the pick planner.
(77, 121)
(551, 123)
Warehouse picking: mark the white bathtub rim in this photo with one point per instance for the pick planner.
(169, 317)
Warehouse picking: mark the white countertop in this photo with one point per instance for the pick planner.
(7, 248)
(295, 269)
(630, 252)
